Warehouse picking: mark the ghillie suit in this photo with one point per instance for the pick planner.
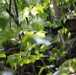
(71, 26)
(70, 45)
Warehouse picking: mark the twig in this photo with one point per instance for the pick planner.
(10, 11)
(12, 16)
(17, 16)
(27, 21)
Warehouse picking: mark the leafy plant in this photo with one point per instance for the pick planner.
(24, 42)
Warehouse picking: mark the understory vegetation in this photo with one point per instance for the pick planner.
(37, 37)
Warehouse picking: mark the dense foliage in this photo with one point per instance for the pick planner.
(28, 45)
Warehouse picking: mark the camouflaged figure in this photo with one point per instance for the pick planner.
(70, 24)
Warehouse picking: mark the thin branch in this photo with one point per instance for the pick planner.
(27, 21)
(16, 8)
(10, 11)
(17, 16)
(12, 16)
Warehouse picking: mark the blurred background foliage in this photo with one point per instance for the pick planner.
(26, 47)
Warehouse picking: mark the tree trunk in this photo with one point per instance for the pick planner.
(58, 13)
(57, 9)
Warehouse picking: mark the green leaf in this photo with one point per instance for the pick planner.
(69, 65)
(24, 4)
(41, 70)
(7, 34)
(25, 12)
(61, 72)
(40, 34)
(36, 10)
(28, 38)
(43, 15)
(43, 48)
(12, 60)
(23, 61)
(36, 52)
(45, 67)
(49, 73)
(3, 22)
(33, 58)
(46, 2)
(2, 55)
(37, 26)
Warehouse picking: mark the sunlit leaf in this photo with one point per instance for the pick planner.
(37, 52)
(45, 67)
(43, 48)
(23, 61)
(40, 34)
(39, 9)
(28, 38)
(2, 55)
(41, 70)
(46, 2)
(26, 11)
(34, 11)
